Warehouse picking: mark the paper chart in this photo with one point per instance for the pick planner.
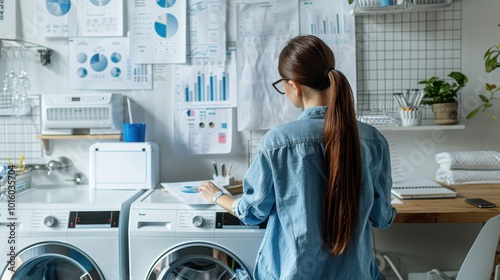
(158, 31)
(101, 18)
(56, 18)
(206, 84)
(103, 63)
(332, 22)
(263, 29)
(206, 21)
(203, 131)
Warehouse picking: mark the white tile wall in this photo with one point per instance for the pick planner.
(18, 136)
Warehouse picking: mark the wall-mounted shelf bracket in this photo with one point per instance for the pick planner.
(45, 56)
(45, 53)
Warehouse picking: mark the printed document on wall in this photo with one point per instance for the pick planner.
(203, 131)
(101, 18)
(8, 19)
(205, 83)
(206, 22)
(56, 18)
(104, 63)
(331, 21)
(157, 31)
(263, 28)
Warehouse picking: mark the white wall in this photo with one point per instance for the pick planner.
(414, 247)
(421, 247)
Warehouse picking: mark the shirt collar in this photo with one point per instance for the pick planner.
(314, 113)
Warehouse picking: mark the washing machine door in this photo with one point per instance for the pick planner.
(201, 261)
(52, 261)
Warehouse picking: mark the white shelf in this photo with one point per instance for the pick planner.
(400, 8)
(45, 138)
(424, 127)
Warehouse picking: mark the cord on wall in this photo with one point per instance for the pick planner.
(382, 260)
(393, 267)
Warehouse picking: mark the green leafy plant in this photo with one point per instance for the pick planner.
(486, 102)
(491, 63)
(437, 90)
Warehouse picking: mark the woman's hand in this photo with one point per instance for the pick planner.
(207, 191)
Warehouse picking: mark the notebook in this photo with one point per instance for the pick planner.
(416, 187)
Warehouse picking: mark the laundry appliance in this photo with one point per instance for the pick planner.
(65, 232)
(172, 240)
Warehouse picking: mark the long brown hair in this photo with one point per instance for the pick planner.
(310, 62)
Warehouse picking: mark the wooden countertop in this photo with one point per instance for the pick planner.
(451, 210)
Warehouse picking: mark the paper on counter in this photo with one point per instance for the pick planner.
(396, 201)
(188, 193)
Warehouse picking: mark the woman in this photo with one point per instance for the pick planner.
(322, 181)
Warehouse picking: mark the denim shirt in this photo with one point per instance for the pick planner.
(286, 183)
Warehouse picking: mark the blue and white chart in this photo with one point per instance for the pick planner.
(56, 18)
(332, 22)
(103, 63)
(263, 28)
(101, 18)
(158, 31)
(206, 84)
(206, 21)
(203, 131)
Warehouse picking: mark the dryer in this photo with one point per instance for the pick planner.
(172, 240)
(65, 232)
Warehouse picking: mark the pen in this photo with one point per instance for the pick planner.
(223, 170)
(215, 168)
(229, 169)
(21, 164)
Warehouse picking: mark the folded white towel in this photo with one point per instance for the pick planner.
(457, 177)
(476, 160)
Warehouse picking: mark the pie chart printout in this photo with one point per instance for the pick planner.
(98, 62)
(166, 25)
(115, 72)
(100, 3)
(58, 7)
(165, 3)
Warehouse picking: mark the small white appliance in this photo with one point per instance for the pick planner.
(172, 240)
(96, 113)
(124, 165)
(65, 232)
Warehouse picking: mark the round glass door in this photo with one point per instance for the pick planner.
(201, 261)
(53, 261)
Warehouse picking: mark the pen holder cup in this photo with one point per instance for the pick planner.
(411, 117)
(224, 181)
(22, 182)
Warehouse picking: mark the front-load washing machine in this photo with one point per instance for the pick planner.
(172, 240)
(65, 233)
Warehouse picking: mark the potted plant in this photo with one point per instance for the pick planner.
(443, 97)
(491, 63)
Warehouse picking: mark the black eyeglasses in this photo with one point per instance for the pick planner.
(278, 86)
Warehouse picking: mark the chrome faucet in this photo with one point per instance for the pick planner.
(61, 164)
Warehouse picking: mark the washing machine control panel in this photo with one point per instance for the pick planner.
(195, 220)
(49, 220)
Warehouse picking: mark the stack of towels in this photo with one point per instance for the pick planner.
(471, 167)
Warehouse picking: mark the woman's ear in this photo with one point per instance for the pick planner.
(296, 87)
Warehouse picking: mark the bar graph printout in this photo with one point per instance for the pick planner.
(331, 21)
(263, 28)
(206, 84)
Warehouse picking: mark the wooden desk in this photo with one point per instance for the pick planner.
(451, 210)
